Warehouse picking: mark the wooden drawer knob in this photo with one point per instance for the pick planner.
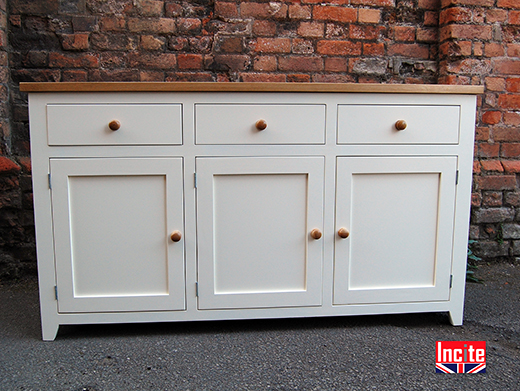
(401, 124)
(261, 124)
(343, 233)
(114, 125)
(176, 236)
(316, 233)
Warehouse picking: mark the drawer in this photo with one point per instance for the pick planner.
(376, 124)
(88, 124)
(237, 124)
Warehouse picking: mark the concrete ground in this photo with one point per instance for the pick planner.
(394, 352)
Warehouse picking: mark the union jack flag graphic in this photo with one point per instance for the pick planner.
(460, 368)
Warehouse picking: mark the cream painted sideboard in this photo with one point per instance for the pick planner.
(202, 201)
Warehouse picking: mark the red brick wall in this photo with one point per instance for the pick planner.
(363, 41)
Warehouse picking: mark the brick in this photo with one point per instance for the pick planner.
(431, 18)
(455, 15)
(404, 33)
(473, 32)
(263, 10)
(150, 7)
(512, 198)
(337, 48)
(512, 166)
(507, 101)
(481, 134)
(491, 117)
(496, 15)
(159, 25)
(373, 49)
(471, 66)
(7, 166)
(75, 42)
(491, 249)
(493, 215)
(189, 25)
(506, 134)
(375, 3)
(264, 28)
(57, 60)
(302, 46)
(427, 35)
(513, 50)
(226, 10)
(174, 10)
(265, 64)
(225, 44)
(300, 63)
(508, 4)
(429, 4)
(191, 76)
(492, 198)
(151, 76)
(482, 3)
(74, 75)
(230, 62)
(369, 66)
(367, 15)
(488, 150)
(72, 6)
(495, 83)
(297, 11)
(476, 167)
(152, 61)
(511, 231)
(493, 50)
(513, 119)
(512, 84)
(476, 200)
(478, 49)
(298, 78)
(273, 45)
(149, 42)
(368, 33)
(335, 64)
(491, 165)
(337, 31)
(514, 17)
(189, 61)
(507, 66)
(84, 23)
(496, 182)
(112, 23)
(34, 7)
(335, 78)
(262, 77)
(119, 42)
(409, 50)
(337, 14)
(311, 29)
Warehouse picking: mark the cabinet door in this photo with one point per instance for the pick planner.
(112, 224)
(399, 212)
(254, 218)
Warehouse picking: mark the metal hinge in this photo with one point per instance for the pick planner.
(451, 280)
(56, 292)
(195, 180)
(49, 179)
(457, 178)
(197, 289)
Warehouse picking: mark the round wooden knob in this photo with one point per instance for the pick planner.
(401, 124)
(114, 125)
(176, 236)
(261, 124)
(316, 233)
(343, 233)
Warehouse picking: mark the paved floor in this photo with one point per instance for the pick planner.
(346, 353)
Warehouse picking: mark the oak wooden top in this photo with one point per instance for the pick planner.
(250, 87)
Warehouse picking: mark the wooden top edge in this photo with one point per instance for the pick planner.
(249, 87)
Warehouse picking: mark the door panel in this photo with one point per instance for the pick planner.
(253, 222)
(112, 218)
(399, 212)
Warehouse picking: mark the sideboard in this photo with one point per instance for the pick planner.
(163, 202)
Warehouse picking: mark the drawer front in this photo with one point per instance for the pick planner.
(376, 124)
(88, 124)
(237, 124)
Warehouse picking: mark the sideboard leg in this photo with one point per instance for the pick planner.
(456, 317)
(49, 331)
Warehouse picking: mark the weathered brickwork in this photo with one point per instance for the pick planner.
(362, 41)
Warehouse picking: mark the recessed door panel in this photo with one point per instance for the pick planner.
(112, 222)
(399, 213)
(254, 218)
